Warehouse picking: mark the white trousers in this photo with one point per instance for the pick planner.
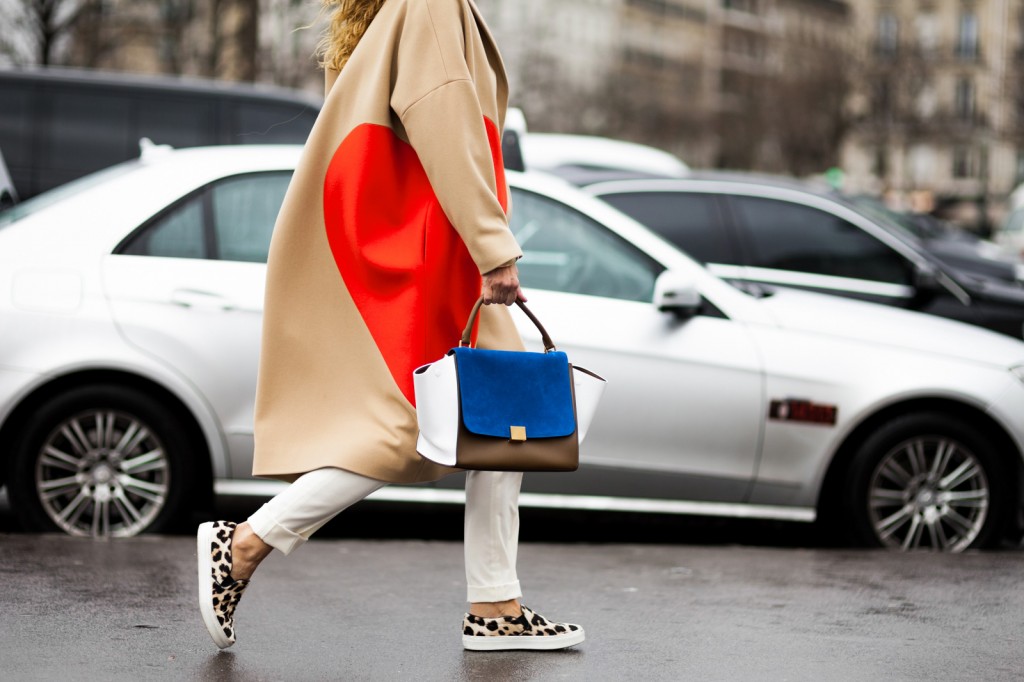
(491, 526)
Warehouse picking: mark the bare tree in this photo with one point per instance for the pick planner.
(289, 33)
(232, 45)
(806, 115)
(50, 21)
(175, 18)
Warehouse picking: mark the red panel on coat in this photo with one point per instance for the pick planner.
(406, 268)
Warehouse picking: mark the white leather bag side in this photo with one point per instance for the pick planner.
(589, 388)
(436, 388)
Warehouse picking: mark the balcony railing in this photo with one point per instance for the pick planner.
(967, 53)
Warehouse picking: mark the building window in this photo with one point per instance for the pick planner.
(927, 101)
(741, 5)
(731, 82)
(1020, 35)
(883, 98)
(742, 43)
(963, 163)
(964, 99)
(927, 25)
(967, 36)
(1020, 167)
(888, 34)
(880, 163)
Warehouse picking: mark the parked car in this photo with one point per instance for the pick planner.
(954, 246)
(8, 195)
(131, 306)
(785, 233)
(1010, 236)
(60, 124)
(587, 158)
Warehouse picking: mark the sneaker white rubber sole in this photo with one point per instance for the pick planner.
(204, 560)
(522, 642)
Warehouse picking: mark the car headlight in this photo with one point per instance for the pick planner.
(1018, 371)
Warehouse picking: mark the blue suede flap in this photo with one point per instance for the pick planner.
(499, 389)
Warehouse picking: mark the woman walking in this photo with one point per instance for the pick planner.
(394, 223)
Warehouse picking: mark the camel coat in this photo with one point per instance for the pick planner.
(397, 206)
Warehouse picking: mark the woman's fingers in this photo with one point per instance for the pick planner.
(501, 286)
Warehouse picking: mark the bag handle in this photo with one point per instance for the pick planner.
(549, 345)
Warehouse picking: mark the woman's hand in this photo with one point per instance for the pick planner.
(501, 285)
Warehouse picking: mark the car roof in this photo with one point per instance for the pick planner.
(128, 187)
(584, 176)
(550, 151)
(174, 84)
(615, 183)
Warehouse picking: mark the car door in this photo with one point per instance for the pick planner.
(681, 417)
(187, 287)
(796, 245)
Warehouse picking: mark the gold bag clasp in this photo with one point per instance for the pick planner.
(517, 433)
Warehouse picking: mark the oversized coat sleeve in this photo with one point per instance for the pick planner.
(436, 100)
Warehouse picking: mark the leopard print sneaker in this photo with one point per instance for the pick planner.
(528, 631)
(219, 593)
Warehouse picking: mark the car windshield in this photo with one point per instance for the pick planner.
(894, 222)
(1015, 221)
(58, 194)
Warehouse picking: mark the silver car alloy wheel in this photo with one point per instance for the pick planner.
(928, 492)
(102, 473)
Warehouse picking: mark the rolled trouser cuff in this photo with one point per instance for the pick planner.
(274, 534)
(477, 594)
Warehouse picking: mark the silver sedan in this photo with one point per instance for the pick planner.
(130, 306)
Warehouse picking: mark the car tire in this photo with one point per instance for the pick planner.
(928, 481)
(100, 461)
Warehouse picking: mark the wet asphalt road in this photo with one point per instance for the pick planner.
(343, 609)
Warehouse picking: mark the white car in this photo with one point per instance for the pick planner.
(130, 307)
(1010, 236)
(576, 156)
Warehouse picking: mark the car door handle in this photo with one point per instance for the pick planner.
(202, 300)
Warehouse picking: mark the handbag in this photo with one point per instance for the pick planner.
(496, 410)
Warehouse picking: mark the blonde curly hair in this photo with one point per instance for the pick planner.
(349, 21)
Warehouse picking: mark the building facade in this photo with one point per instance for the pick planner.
(636, 69)
(242, 40)
(706, 79)
(916, 98)
(558, 56)
(938, 105)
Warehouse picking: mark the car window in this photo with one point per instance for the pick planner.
(690, 221)
(899, 224)
(244, 212)
(563, 250)
(787, 236)
(1015, 221)
(180, 233)
(231, 219)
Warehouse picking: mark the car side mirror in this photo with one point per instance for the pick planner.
(676, 293)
